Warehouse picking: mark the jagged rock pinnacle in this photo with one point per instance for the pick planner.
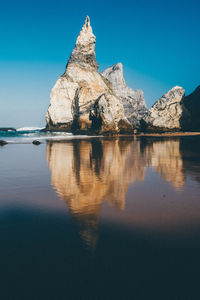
(87, 22)
(84, 51)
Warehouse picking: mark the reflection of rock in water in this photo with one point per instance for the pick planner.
(189, 148)
(87, 173)
(165, 157)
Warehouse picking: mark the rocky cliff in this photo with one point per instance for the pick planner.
(82, 100)
(133, 101)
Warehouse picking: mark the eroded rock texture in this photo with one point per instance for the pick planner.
(133, 101)
(85, 101)
(168, 113)
(82, 99)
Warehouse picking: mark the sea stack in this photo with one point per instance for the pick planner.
(82, 100)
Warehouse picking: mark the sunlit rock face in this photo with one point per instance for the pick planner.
(82, 99)
(168, 113)
(133, 101)
(88, 173)
(84, 51)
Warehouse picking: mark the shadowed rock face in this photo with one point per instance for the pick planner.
(192, 104)
(82, 99)
(133, 101)
(86, 174)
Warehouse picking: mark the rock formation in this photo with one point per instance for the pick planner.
(3, 143)
(168, 113)
(85, 101)
(82, 99)
(133, 101)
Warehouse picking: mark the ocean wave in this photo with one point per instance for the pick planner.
(26, 135)
(7, 129)
(29, 129)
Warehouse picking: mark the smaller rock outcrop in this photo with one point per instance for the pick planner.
(36, 142)
(133, 101)
(168, 113)
(3, 143)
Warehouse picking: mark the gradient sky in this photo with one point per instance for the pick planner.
(158, 43)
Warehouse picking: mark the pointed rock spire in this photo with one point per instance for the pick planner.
(84, 51)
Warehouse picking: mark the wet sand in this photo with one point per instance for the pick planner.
(101, 218)
(170, 134)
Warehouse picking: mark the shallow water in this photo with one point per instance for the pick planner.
(100, 218)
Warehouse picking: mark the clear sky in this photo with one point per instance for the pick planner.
(158, 43)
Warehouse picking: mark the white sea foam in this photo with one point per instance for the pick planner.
(26, 135)
(29, 129)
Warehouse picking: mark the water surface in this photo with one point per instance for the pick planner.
(100, 218)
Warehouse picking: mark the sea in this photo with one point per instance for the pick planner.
(28, 134)
(99, 217)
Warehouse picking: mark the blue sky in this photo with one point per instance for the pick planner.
(157, 42)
